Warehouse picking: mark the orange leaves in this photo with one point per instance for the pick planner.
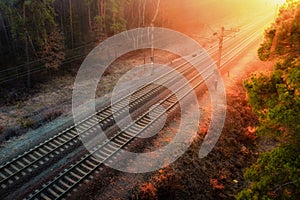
(203, 130)
(244, 150)
(251, 133)
(160, 177)
(148, 190)
(223, 174)
(53, 50)
(216, 185)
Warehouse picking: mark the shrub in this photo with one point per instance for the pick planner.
(27, 122)
(275, 175)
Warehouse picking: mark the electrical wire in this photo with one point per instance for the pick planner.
(37, 66)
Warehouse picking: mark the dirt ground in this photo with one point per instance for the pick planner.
(220, 174)
(53, 98)
(22, 110)
(217, 176)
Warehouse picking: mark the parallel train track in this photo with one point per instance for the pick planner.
(70, 178)
(68, 139)
(77, 173)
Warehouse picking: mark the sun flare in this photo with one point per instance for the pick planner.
(279, 2)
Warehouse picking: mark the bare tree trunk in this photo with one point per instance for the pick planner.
(144, 11)
(90, 17)
(28, 82)
(99, 2)
(139, 18)
(6, 34)
(114, 20)
(132, 11)
(13, 43)
(152, 33)
(103, 15)
(71, 24)
(62, 16)
(275, 39)
(157, 7)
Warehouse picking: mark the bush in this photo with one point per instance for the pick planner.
(50, 115)
(275, 99)
(275, 175)
(27, 123)
(264, 51)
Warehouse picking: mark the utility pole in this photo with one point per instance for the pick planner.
(221, 38)
(152, 49)
(152, 35)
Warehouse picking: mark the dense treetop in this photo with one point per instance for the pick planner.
(275, 99)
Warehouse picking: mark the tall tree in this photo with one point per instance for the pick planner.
(89, 3)
(100, 19)
(31, 24)
(118, 23)
(275, 99)
(144, 12)
(283, 36)
(71, 23)
(25, 3)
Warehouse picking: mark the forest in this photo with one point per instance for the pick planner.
(39, 37)
(275, 99)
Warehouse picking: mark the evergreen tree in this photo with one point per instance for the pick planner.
(275, 99)
(283, 37)
(32, 22)
(118, 23)
(53, 51)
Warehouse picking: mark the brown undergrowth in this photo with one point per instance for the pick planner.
(220, 174)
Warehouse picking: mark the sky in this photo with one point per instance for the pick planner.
(190, 13)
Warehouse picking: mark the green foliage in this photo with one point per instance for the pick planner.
(283, 36)
(118, 26)
(99, 19)
(275, 175)
(26, 123)
(264, 51)
(53, 51)
(36, 19)
(295, 33)
(265, 47)
(118, 23)
(89, 2)
(99, 22)
(275, 99)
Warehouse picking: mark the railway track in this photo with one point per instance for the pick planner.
(60, 186)
(69, 179)
(65, 141)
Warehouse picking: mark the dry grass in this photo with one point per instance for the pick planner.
(220, 174)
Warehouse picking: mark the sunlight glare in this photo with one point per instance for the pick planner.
(278, 2)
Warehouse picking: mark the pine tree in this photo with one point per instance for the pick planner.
(53, 51)
(275, 99)
(118, 22)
